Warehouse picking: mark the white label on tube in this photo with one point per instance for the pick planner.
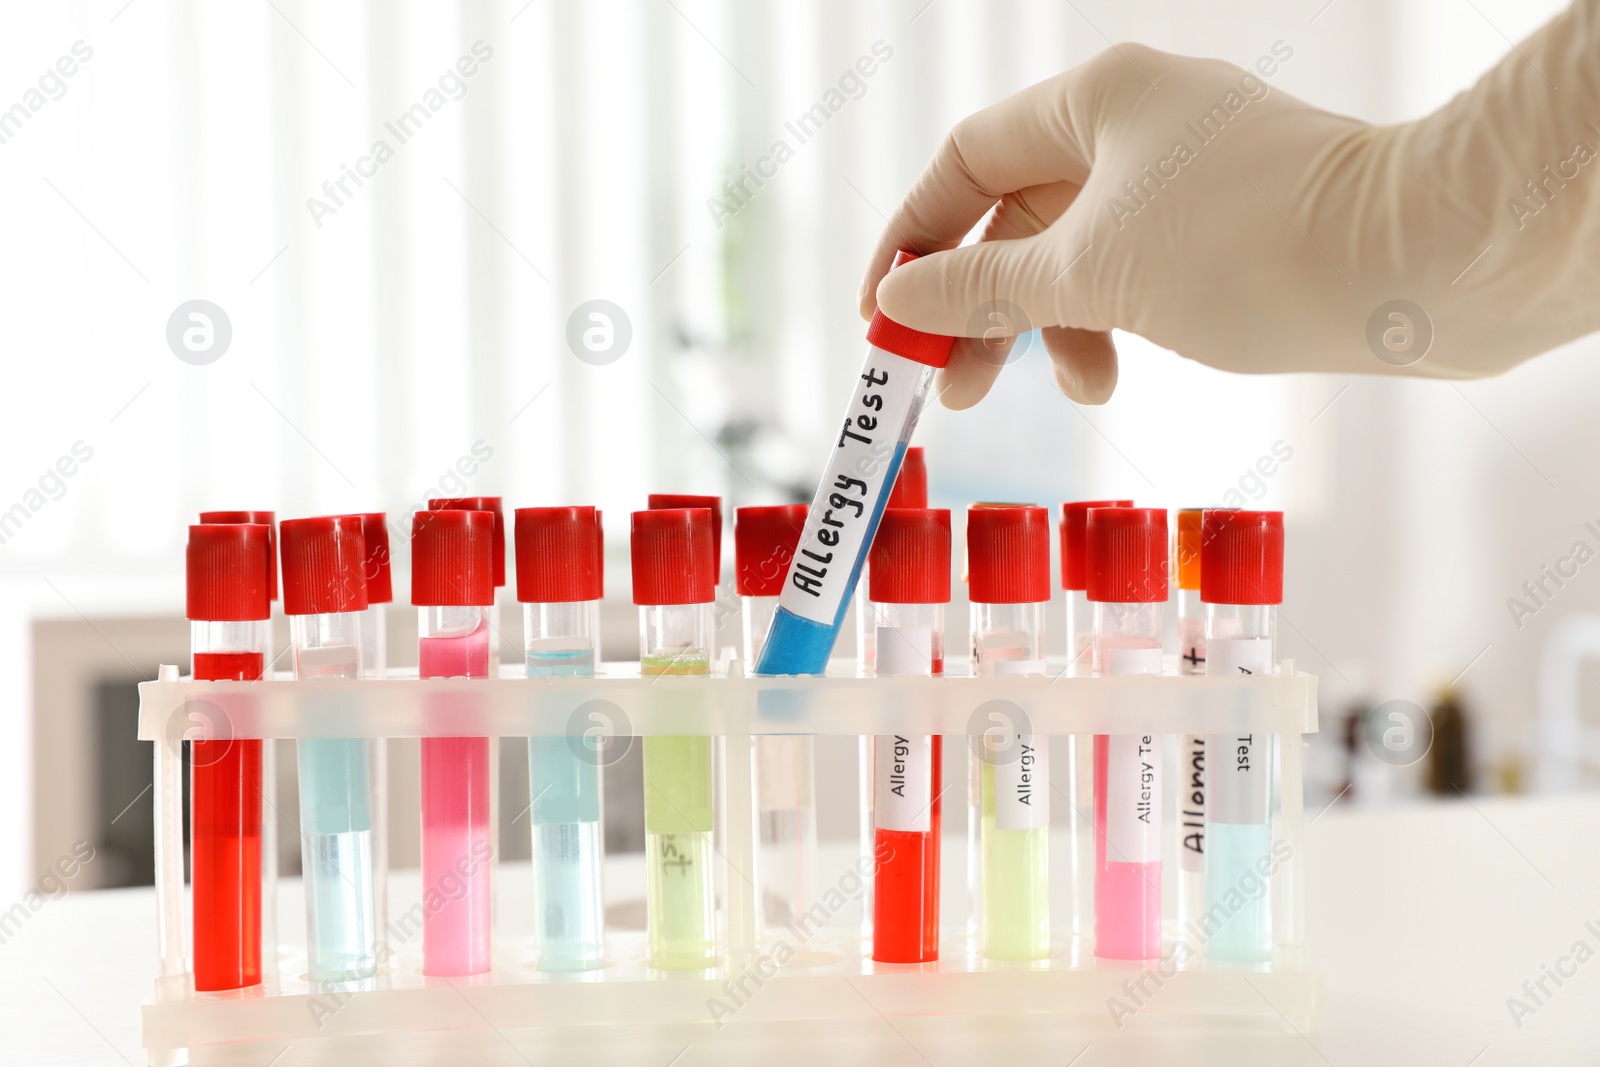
(834, 537)
(1022, 785)
(1192, 802)
(1240, 786)
(903, 793)
(905, 651)
(1133, 660)
(1133, 773)
(1133, 799)
(1022, 782)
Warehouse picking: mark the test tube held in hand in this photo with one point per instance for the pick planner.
(673, 563)
(325, 597)
(1127, 584)
(452, 586)
(1241, 582)
(228, 607)
(850, 500)
(1008, 562)
(559, 582)
(910, 586)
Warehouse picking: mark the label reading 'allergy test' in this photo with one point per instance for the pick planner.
(834, 536)
(1133, 773)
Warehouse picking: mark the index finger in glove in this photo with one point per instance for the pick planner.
(1027, 139)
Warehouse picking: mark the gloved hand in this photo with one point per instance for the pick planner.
(1196, 204)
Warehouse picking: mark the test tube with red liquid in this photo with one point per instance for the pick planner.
(228, 608)
(909, 586)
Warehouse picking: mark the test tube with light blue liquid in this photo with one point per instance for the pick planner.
(325, 597)
(1241, 582)
(375, 664)
(560, 580)
(856, 483)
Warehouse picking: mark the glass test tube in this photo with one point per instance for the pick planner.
(1074, 580)
(560, 556)
(851, 497)
(675, 641)
(1008, 562)
(672, 584)
(910, 586)
(1191, 784)
(325, 598)
(906, 796)
(228, 607)
(1128, 587)
(1074, 776)
(786, 822)
(452, 586)
(560, 641)
(335, 813)
(494, 506)
(1245, 548)
(375, 664)
(785, 800)
(910, 491)
(267, 778)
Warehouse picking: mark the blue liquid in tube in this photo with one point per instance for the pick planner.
(336, 839)
(860, 473)
(336, 852)
(798, 645)
(569, 929)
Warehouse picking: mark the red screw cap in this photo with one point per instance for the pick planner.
(1074, 554)
(269, 519)
(490, 504)
(661, 501)
(911, 557)
(1127, 555)
(1008, 554)
(929, 349)
(452, 558)
(227, 572)
(324, 560)
(375, 532)
(559, 555)
(673, 559)
(764, 541)
(1241, 557)
(911, 488)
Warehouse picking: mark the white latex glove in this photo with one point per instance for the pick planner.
(1273, 245)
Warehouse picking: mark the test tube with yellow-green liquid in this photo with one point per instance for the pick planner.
(674, 585)
(1008, 560)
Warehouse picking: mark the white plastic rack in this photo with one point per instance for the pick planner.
(830, 975)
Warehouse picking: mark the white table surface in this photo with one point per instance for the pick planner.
(1423, 919)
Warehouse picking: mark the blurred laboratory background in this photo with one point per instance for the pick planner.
(401, 216)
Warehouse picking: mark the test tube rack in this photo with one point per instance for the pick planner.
(835, 978)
